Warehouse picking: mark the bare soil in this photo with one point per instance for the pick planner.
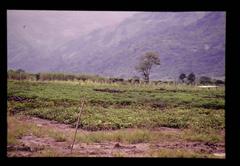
(31, 145)
(47, 123)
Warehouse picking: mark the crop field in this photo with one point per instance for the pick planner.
(118, 120)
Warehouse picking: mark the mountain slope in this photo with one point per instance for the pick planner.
(186, 41)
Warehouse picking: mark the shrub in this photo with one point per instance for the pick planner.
(191, 78)
(205, 80)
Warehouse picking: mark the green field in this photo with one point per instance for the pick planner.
(198, 112)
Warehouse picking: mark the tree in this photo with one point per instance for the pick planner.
(134, 79)
(145, 64)
(219, 82)
(205, 80)
(20, 72)
(182, 77)
(37, 76)
(191, 78)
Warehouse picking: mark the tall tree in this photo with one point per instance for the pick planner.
(182, 77)
(146, 62)
(191, 78)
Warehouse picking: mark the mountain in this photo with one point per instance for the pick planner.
(186, 41)
(33, 35)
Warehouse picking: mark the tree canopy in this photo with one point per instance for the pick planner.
(146, 62)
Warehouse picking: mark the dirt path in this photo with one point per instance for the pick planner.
(33, 146)
(47, 123)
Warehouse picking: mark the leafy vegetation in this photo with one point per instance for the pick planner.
(146, 63)
(147, 106)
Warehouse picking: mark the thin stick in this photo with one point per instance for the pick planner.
(79, 116)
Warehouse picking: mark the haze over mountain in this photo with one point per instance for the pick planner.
(110, 44)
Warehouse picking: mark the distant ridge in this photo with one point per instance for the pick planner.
(186, 41)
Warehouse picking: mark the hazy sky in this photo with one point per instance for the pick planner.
(49, 29)
(69, 22)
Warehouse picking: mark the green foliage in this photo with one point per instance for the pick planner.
(146, 62)
(145, 105)
(138, 111)
(22, 75)
(18, 75)
(182, 76)
(205, 80)
(219, 82)
(191, 78)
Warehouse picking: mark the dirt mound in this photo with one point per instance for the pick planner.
(170, 90)
(20, 99)
(109, 90)
(22, 147)
(158, 105)
(47, 123)
(117, 145)
(22, 150)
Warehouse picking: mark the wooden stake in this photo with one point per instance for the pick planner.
(79, 116)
